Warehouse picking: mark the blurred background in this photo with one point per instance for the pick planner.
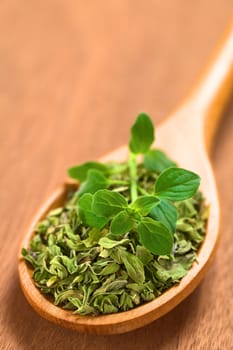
(73, 77)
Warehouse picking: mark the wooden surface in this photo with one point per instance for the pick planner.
(67, 70)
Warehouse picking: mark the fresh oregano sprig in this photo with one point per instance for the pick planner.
(151, 215)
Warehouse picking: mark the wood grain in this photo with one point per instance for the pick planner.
(67, 69)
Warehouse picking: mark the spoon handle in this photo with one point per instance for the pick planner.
(205, 104)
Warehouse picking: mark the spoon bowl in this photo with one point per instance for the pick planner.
(186, 137)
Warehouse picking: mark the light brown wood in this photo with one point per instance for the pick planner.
(185, 136)
(67, 70)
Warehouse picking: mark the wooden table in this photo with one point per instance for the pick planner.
(68, 71)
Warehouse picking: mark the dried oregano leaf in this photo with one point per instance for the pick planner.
(133, 266)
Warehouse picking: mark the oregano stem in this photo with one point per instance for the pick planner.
(133, 176)
(142, 191)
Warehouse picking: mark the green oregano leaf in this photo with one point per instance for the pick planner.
(80, 172)
(94, 235)
(87, 216)
(176, 184)
(108, 203)
(70, 264)
(27, 256)
(133, 266)
(142, 134)
(166, 213)
(144, 204)
(94, 182)
(175, 269)
(155, 236)
(109, 269)
(108, 243)
(156, 160)
(143, 254)
(122, 223)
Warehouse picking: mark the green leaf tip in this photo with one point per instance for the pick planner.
(142, 134)
(80, 172)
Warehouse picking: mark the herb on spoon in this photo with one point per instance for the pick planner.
(130, 231)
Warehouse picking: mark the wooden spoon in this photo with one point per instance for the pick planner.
(186, 136)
